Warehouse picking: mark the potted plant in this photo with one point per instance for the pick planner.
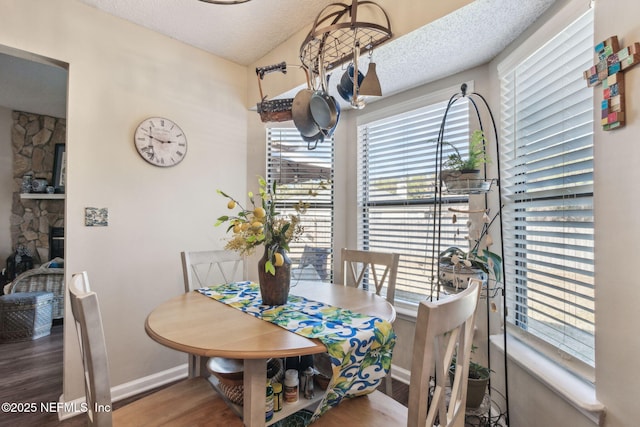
(476, 383)
(456, 265)
(464, 173)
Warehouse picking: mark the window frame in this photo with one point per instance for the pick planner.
(540, 40)
(441, 96)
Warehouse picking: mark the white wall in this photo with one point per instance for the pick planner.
(120, 74)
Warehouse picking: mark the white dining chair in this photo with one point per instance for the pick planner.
(444, 329)
(206, 268)
(374, 271)
(189, 402)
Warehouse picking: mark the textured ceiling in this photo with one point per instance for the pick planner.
(464, 39)
(244, 33)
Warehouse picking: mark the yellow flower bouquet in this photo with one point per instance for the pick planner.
(262, 224)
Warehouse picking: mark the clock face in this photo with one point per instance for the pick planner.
(160, 142)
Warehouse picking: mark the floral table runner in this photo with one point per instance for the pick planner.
(360, 346)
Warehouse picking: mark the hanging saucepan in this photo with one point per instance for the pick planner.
(323, 109)
(345, 87)
(323, 106)
(301, 112)
(330, 131)
(312, 141)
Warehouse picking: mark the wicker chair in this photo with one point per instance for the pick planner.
(42, 279)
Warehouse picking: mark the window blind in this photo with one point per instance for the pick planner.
(297, 171)
(396, 178)
(547, 124)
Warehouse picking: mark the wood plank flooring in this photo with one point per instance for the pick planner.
(31, 372)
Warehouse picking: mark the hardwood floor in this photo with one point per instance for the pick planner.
(31, 374)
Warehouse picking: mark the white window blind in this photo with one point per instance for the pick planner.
(297, 170)
(396, 177)
(547, 124)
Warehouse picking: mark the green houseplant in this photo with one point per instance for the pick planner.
(476, 156)
(457, 265)
(460, 173)
(477, 382)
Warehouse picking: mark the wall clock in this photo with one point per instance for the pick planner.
(160, 142)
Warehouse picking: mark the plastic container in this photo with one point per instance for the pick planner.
(291, 386)
(278, 397)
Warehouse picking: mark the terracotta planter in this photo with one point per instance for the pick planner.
(274, 288)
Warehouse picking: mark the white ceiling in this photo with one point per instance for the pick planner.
(244, 33)
(241, 33)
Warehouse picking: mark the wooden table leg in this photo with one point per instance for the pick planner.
(255, 383)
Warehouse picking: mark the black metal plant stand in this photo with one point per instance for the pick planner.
(478, 102)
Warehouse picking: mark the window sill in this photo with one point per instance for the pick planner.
(406, 311)
(575, 391)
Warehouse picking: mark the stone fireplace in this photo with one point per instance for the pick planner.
(33, 140)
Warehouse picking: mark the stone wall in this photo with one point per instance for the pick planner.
(33, 140)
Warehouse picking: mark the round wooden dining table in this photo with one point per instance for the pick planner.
(196, 324)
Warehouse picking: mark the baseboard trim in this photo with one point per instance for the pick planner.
(400, 374)
(69, 409)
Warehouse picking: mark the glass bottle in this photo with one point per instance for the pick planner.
(269, 402)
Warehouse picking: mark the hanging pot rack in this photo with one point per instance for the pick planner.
(337, 31)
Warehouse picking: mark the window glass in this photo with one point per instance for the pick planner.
(547, 160)
(396, 189)
(298, 170)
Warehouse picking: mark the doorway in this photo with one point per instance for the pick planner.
(33, 86)
(33, 107)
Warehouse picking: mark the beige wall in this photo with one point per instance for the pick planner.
(617, 297)
(6, 183)
(120, 74)
(532, 404)
(154, 213)
(618, 232)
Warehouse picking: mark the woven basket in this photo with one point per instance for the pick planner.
(233, 388)
(25, 316)
(275, 110)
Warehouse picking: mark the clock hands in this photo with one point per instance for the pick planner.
(159, 140)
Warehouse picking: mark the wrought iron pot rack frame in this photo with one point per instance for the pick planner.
(336, 33)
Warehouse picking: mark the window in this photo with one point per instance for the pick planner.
(296, 169)
(547, 124)
(396, 180)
